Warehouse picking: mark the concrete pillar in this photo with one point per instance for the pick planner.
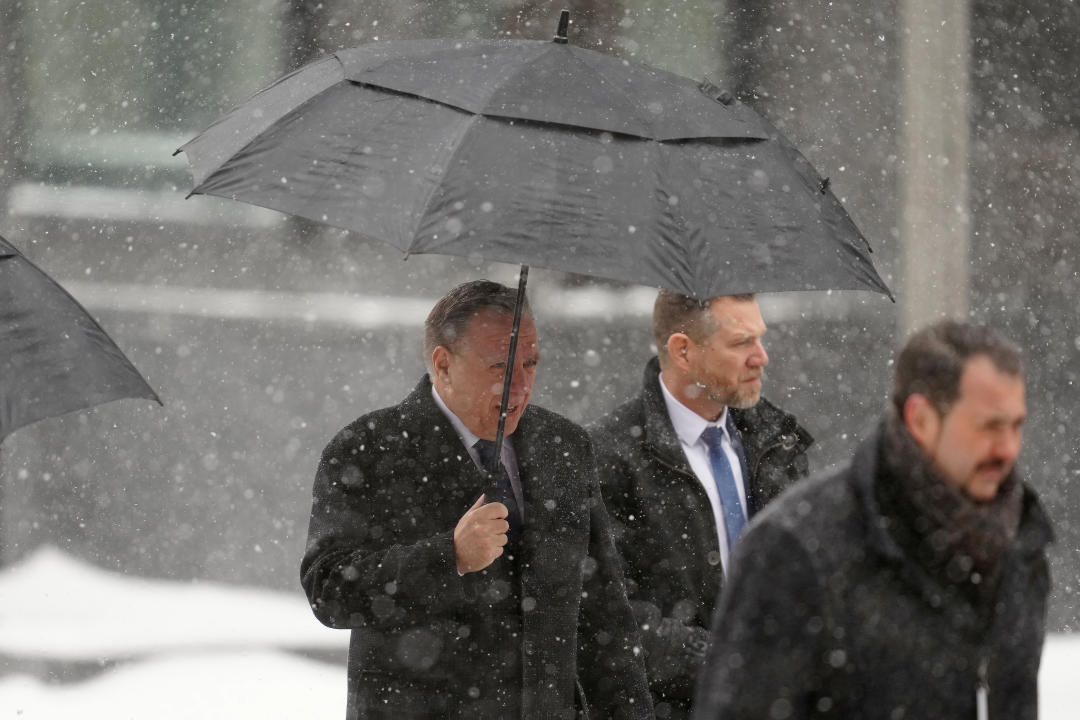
(12, 101)
(935, 217)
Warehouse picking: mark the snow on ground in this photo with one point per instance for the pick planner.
(201, 651)
(1059, 691)
(260, 684)
(53, 606)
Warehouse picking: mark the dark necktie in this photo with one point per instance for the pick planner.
(505, 490)
(725, 484)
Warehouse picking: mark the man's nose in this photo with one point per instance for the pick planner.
(1008, 445)
(522, 382)
(759, 358)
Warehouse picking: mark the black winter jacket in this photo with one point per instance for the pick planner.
(664, 525)
(522, 638)
(827, 616)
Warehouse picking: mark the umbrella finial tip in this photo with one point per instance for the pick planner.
(564, 25)
(710, 90)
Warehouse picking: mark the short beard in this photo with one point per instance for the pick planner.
(737, 398)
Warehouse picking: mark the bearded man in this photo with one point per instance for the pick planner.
(683, 466)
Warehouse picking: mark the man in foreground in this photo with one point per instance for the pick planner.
(911, 584)
(682, 466)
(471, 597)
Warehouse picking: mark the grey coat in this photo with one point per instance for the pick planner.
(524, 638)
(826, 615)
(664, 524)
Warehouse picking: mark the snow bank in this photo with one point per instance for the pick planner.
(55, 607)
(203, 686)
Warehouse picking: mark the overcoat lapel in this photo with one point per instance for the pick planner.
(457, 482)
(660, 437)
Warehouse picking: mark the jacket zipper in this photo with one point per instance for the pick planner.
(786, 441)
(761, 456)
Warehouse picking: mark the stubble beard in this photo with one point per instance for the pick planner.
(735, 397)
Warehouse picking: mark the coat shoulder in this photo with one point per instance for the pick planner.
(550, 420)
(550, 439)
(385, 424)
(619, 428)
(768, 419)
(816, 509)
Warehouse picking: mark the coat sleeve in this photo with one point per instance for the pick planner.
(768, 649)
(610, 658)
(362, 567)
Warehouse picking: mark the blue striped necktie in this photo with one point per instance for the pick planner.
(505, 492)
(725, 484)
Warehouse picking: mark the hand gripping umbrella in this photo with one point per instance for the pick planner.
(54, 358)
(539, 153)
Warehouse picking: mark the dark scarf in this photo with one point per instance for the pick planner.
(963, 541)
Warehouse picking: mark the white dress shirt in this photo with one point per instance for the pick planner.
(688, 427)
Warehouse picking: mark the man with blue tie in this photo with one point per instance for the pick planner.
(469, 597)
(683, 466)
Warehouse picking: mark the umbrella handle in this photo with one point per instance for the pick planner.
(511, 355)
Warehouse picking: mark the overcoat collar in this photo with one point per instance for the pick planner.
(441, 446)
(760, 427)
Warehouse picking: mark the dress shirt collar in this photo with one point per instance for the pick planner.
(467, 436)
(687, 423)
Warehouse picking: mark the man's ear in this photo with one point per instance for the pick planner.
(922, 420)
(678, 345)
(440, 365)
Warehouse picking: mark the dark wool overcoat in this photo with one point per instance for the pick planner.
(827, 616)
(664, 524)
(542, 626)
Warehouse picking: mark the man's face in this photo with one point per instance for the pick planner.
(976, 442)
(725, 369)
(470, 380)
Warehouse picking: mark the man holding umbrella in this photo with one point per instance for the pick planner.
(682, 466)
(469, 596)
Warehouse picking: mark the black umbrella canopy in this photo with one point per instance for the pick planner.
(54, 358)
(544, 154)
(551, 83)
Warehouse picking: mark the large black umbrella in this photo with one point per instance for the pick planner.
(539, 153)
(54, 358)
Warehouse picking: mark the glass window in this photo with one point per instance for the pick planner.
(114, 88)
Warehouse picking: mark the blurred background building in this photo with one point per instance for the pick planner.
(949, 130)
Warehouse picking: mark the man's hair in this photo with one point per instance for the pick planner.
(676, 313)
(448, 320)
(933, 360)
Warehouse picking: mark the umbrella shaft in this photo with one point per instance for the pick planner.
(511, 356)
